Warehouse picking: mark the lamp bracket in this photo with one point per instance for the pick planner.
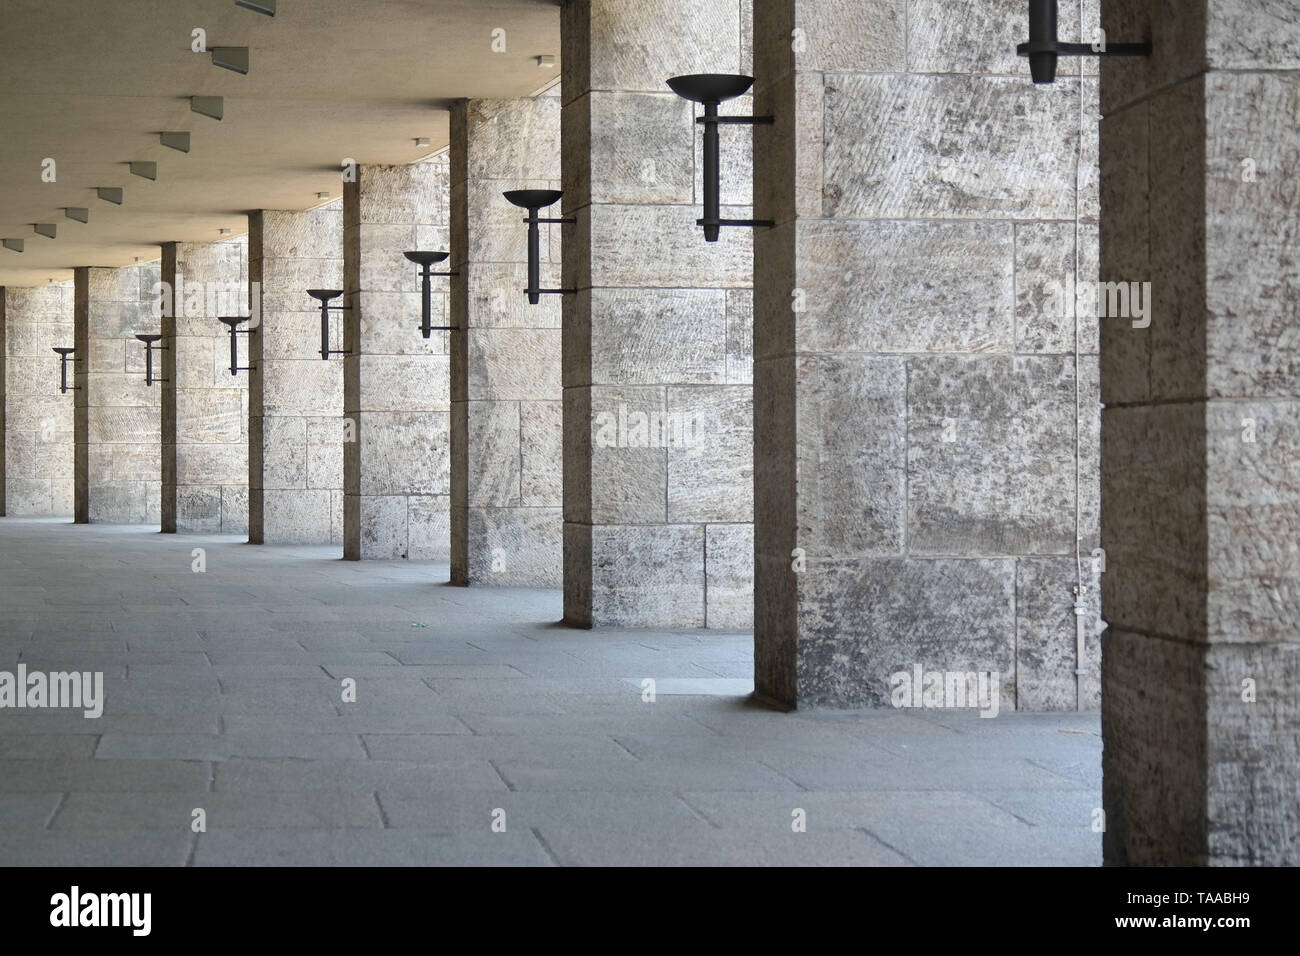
(738, 120)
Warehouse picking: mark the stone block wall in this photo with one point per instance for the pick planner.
(927, 442)
(205, 408)
(118, 476)
(396, 475)
(506, 422)
(658, 458)
(38, 456)
(295, 398)
(1200, 197)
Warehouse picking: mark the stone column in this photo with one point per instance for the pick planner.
(1200, 159)
(506, 517)
(38, 421)
(657, 395)
(205, 408)
(396, 500)
(295, 399)
(118, 480)
(925, 435)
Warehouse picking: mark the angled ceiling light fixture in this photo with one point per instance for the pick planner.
(260, 6)
(210, 106)
(426, 260)
(323, 296)
(147, 171)
(711, 89)
(47, 229)
(1043, 49)
(150, 343)
(63, 354)
(177, 141)
(232, 322)
(14, 245)
(77, 213)
(232, 58)
(533, 200)
(114, 194)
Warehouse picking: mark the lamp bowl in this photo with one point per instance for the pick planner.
(533, 198)
(426, 258)
(324, 295)
(711, 87)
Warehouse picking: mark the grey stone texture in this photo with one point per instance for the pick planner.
(506, 411)
(37, 463)
(926, 441)
(396, 384)
(205, 420)
(1200, 445)
(657, 371)
(118, 477)
(295, 399)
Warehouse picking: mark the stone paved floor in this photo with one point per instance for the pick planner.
(223, 692)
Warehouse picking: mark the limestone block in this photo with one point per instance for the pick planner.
(513, 364)
(1252, 333)
(508, 138)
(119, 502)
(651, 337)
(943, 286)
(302, 388)
(234, 509)
(210, 416)
(121, 463)
(982, 40)
(390, 323)
(400, 451)
(496, 297)
(29, 497)
(324, 453)
(648, 576)
(401, 383)
(1046, 289)
(1252, 36)
(225, 464)
(957, 169)
(383, 522)
(314, 234)
(492, 445)
(644, 141)
(541, 454)
(740, 337)
(1046, 635)
(198, 509)
(515, 547)
(711, 462)
(384, 268)
(729, 565)
(123, 425)
(297, 517)
(285, 453)
(850, 429)
(991, 455)
(628, 460)
(1253, 519)
(429, 527)
(863, 619)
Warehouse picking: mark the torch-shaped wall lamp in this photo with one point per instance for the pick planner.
(533, 200)
(711, 89)
(1043, 49)
(231, 322)
(63, 370)
(150, 343)
(426, 260)
(323, 296)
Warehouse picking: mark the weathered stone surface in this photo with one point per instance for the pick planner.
(541, 454)
(729, 575)
(955, 169)
(651, 337)
(982, 40)
(710, 453)
(1047, 637)
(990, 455)
(648, 576)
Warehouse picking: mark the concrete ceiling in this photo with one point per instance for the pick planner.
(92, 84)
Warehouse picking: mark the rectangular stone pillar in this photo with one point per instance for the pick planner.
(205, 408)
(395, 383)
(118, 478)
(39, 454)
(925, 394)
(1200, 160)
(658, 465)
(295, 401)
(506, 493)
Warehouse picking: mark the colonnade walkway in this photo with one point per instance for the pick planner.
(474, 713)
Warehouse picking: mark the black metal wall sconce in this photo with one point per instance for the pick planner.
(426, 261)
(712, 89)
(1043, 48)
(534, 200)
(323, 296)
(150, 343)
(63, 369)
(232, 323)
